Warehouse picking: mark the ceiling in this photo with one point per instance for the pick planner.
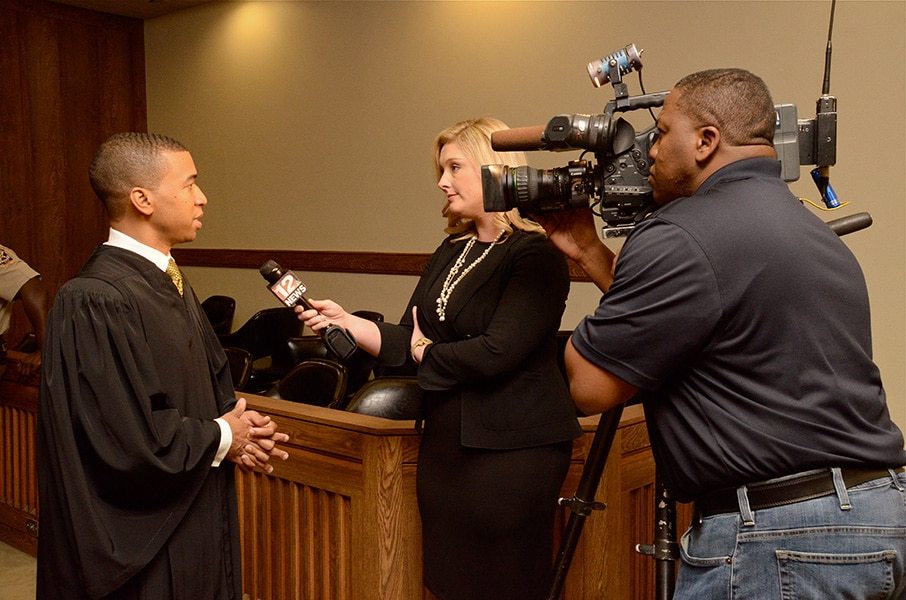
(140, 9)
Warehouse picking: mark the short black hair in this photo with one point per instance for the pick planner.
(735, 101)
(128, 160)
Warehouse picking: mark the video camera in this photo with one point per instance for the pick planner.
(615, 184)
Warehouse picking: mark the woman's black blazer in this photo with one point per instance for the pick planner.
(497, 348)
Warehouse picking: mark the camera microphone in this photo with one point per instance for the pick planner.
(290, 290)
(519, 139)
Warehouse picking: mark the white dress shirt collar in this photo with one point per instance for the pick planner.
(121, 240)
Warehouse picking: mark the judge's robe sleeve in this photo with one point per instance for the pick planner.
(119, 463)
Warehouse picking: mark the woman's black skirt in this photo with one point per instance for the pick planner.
(487, 515)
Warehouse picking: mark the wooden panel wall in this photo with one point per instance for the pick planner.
(68, 79)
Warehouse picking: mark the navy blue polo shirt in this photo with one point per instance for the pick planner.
(744, 321)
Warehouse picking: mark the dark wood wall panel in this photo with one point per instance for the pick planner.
(68, 79)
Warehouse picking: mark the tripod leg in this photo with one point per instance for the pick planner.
(665, 540)
(664, 550)
(583, 502)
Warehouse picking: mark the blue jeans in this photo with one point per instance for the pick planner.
(812, 550)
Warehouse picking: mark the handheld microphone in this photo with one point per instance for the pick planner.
(290, 290)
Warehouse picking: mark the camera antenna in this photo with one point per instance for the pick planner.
(825, 88)
(826, 128)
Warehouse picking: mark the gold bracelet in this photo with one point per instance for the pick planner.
(423, 341)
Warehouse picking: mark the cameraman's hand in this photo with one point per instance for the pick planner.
(323, 313)
(574, 233)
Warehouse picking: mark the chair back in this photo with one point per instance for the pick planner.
(240, 366)
(358, 366)
(316, 381)
(265, 332)
(220, 311)
(264, 336)
(389, 397)
(304, 347)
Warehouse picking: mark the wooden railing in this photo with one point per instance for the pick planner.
(339, 520)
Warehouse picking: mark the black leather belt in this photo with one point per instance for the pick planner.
(788, 491)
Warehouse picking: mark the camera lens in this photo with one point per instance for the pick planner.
(534, 190)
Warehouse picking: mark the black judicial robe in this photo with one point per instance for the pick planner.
(130, 507)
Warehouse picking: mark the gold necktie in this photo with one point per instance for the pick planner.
(175, 275)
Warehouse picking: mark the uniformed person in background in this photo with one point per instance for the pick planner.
(18, 281)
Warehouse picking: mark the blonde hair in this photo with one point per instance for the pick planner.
(473, 137)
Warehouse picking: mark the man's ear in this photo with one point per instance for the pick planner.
(141, 201)
(707, 143)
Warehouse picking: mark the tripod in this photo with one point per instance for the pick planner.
(663, 550)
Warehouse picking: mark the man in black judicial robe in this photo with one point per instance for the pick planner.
(137, 407)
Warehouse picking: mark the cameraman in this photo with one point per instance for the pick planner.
(741, 322)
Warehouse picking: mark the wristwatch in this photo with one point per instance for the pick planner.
(422, 341)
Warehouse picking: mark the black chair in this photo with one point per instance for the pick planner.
(240, 366)
(359, 366)
(389, 397)
(264, 336)
(316, 381)
(220, 311)
(304, 347)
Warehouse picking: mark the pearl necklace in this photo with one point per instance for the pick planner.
(450, 283)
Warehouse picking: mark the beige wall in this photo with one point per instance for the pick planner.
(312, 122)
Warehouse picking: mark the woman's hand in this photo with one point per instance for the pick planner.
(418, 343)
(322, 314)
(327, 312)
